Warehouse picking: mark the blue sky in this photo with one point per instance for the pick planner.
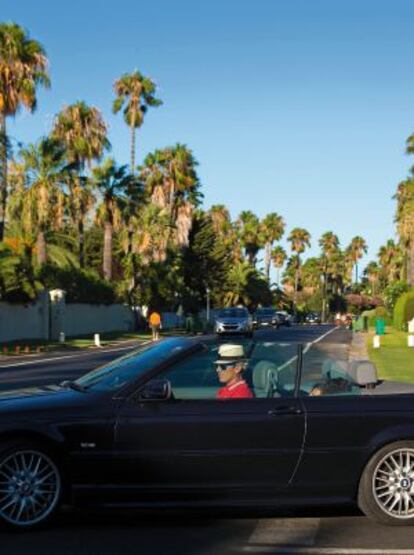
(297, 106)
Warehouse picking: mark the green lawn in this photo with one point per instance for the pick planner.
(394, 360)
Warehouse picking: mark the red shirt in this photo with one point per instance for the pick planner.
(238, 390)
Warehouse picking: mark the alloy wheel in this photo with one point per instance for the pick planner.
(30, 487)
(393, 483)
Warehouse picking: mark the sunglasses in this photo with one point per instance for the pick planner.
(221, 367)
(224, 367)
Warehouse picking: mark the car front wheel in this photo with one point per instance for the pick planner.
(386, 489)
(30, 485)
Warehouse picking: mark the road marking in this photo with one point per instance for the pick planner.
(77, 355)
(324, 335)
(284, 531)
(288, 550)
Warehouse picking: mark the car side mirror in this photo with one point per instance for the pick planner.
(156, 390)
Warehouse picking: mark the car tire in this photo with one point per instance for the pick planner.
(31, 485)
(385, 485)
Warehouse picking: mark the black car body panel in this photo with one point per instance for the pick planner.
(121, 450)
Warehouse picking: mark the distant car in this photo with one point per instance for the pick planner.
(313, 318)
(234, 321)
(285, 319)
(266, 316)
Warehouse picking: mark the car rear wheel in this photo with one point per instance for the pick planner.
(386, 489)
(30, 485)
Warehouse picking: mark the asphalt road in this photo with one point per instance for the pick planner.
(54, 367)
(322, 532)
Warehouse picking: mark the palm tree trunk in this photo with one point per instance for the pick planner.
(133, 137)
(278, 277)
(410, 263)
(295, 293)
(268, 247)
(356, 273)
(3, 174)
(107, 251)
(41, 248)
(81, 237)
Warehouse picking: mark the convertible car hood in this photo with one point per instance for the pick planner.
(37, 398)
(29, 392)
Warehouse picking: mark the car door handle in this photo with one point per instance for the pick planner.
(285, 409)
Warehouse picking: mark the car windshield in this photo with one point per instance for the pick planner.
(233, 313)
(266, 311)
(118, 373)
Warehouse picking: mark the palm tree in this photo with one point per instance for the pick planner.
(171, 180)
(83, 132)
(250, 234)
(357, 248)
(273, 228)
(113, 183)
(389, 256)
(239, 277)
(134, 95)
(329, 244)
(23, 68)
(42, 200)
(372, 272)
(405, 221)
(299, 238)
(279, 256)
(220, 218)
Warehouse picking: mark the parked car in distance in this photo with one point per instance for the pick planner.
(313, 318)
(234, 321)
(149, 430)
(266, 316)
(285, 319)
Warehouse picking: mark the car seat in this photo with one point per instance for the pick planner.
(264, 378)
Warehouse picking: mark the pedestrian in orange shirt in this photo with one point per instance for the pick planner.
(155, 324)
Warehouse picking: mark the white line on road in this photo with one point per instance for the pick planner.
(77, 355)
(324, 335)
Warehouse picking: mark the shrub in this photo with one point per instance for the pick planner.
(404, 310)
(393, 292)
(81, 286)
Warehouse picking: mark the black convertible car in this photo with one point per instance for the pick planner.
(147, 430)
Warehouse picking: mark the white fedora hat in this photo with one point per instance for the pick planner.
(230, 353)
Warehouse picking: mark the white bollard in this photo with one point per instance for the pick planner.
(411, 340)
(377, 342)
(97, 339)
(62, 337)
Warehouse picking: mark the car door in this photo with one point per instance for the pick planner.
(345, 423)
(196, 444)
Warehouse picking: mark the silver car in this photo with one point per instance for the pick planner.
(234, 321)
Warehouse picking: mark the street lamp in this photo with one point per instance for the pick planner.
(208, 305)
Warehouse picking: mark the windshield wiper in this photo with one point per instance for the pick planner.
(68, 384)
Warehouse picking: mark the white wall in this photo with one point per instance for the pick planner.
(29, 321)
(82, 319)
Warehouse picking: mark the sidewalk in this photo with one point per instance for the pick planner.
(358, 348)
(70, 351)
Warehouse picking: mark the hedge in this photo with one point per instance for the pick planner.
(380, 312)
(404, 310)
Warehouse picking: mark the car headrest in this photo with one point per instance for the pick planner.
(262, 372)
(332, 369)
(363, 372)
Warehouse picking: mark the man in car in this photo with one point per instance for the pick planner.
(230, 366)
